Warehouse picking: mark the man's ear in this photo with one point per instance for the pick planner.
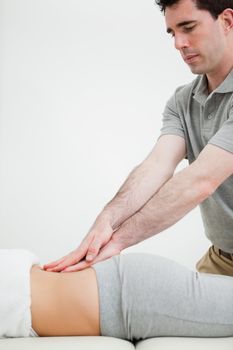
(227, 20)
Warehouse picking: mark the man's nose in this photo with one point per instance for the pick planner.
(181, 41)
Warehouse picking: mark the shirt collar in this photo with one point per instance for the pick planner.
(226, 85)
(201, 93)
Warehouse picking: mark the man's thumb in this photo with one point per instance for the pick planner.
(89, 257)
(91, 254)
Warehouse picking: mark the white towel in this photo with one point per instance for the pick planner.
(15, 292)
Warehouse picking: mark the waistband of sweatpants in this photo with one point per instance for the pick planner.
(110, 287)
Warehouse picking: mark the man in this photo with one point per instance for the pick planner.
(197, 125)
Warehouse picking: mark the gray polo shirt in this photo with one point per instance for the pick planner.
(201, 119)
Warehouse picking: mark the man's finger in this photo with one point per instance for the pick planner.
(71, 259)
(63, 265)
(54, 263)
(78, 267)
(109, 250)
(84, 264)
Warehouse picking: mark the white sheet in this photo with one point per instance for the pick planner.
(15, 296)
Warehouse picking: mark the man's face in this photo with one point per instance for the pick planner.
(197, 35)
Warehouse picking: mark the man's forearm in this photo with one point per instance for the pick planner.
(139, 187)
(176, 198)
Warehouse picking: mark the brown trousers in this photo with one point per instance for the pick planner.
(214, 262)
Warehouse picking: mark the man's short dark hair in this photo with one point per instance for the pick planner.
(214, 7)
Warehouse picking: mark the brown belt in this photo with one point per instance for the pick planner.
(225, 254)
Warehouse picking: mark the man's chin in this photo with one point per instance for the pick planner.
(196, 69)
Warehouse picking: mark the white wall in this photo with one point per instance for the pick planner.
(82, 88)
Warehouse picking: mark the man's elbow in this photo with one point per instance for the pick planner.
(206, 188)
(203, 185)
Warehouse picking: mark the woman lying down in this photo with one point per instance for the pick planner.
(129, 296)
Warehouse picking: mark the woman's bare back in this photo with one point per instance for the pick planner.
(64, 303)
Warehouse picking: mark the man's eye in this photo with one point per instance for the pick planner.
(189, 29)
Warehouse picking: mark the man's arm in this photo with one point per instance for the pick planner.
(145, 180)
(177, 197)
(141, 184)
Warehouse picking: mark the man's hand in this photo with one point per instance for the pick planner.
(97, 245)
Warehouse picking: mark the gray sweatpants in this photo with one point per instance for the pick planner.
(145, 295)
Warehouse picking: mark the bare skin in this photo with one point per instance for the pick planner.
(64, 304)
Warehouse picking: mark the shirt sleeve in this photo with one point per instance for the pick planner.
(224, 136)
(171, 122)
